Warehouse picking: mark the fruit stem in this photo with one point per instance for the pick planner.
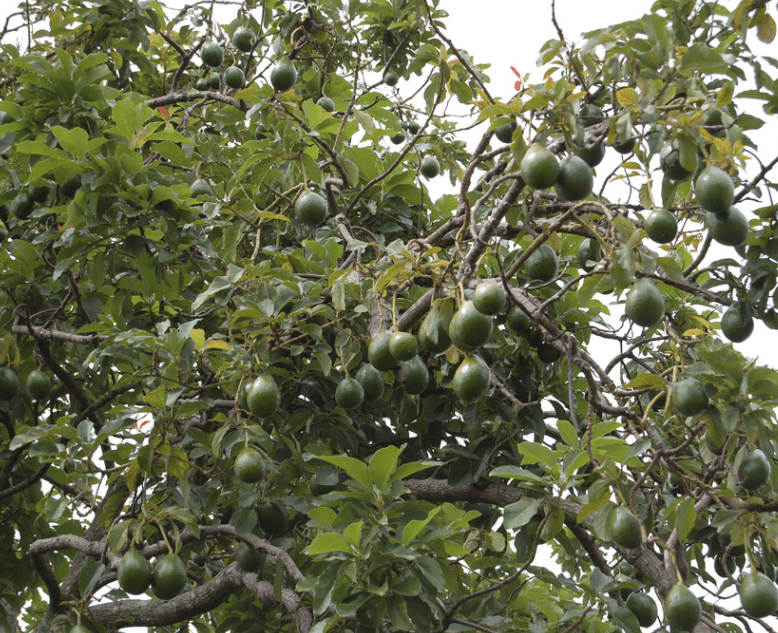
(750, 555)
(650, 406)
(164, 537)
(305, 178)
(675, 566)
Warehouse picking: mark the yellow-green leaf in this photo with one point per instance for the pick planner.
(177, 463)
(157, 398)
(591, 507)
(765, 30)
(329, 542)
(646, 199)
(267, 215)
(626, 97)
(454, 549)
(218, 344)
(198, 336)
(725, 94)
(645, 381)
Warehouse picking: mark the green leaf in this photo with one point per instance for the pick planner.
(353, 533)
(398, 614)
(26, 254)
(514, 472)
(170, 135)
(388, 276)
(117, 537)
(339, 290)
(687, 152)
(365, 120)
(701, 57)
(40, 149)
(519, 513)
(685, 517)
(382, 464)
(234, 273)
(568, 433)
(671, 268)
(90, 576)
(329, 542)
(73, 141)
(534, 453)
(554, 523)
(354, 468)
(129, 118)
(424, 55)
(644, 194)
(406, 470)
(414, 527)
(638, 448)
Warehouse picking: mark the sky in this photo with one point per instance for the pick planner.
(506, 34)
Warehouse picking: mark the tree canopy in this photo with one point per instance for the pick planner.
(280, 350)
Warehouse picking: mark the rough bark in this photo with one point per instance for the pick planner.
(147, 613)
(188, 605)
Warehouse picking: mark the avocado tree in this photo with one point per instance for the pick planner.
(280, 350)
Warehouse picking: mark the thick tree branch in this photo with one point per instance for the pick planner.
(148, 613)
(45, 334)
(289, 599)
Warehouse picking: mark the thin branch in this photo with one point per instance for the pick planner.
(22, 485)
(195, 95)
(456, 52)
(751, 185)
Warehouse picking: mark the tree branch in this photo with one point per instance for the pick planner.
(289, 599)
(195, 95)
(148, 613)
(45, 334)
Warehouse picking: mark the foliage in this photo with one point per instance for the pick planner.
(156, 310)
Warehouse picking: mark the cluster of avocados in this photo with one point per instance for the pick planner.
(283, 76)
(571, 177)
(37, 385)
(212, 56)
(467, 329)
(167, 577)
(572, 180)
